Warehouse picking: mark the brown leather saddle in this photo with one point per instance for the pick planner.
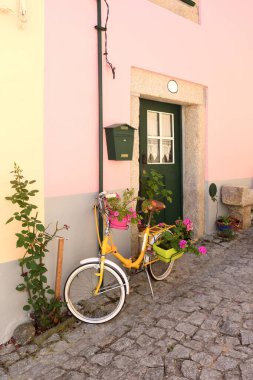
(155, 206)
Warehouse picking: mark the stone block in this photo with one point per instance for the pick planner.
(225, 364)
(186, 328)
(237, 196)
(122, 344)
(243, 214)
(247, 370)
(246, 337)
(239, 201)
(210, 374)
(190, 370)
(24, 333)
(180, 352)
(102, 359)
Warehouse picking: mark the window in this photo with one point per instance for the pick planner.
(189, 2)
(183, 8)
(160, 147)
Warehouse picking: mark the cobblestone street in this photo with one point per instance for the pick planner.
(199, 327)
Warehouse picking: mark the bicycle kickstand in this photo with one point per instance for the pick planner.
(149, 281)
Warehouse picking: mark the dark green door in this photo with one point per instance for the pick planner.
(160, 149)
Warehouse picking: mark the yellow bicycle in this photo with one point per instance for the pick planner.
(95, 292)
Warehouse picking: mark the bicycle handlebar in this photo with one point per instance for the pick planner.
(102, 207)
(104, 194)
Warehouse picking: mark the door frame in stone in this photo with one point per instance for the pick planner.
(192, 98)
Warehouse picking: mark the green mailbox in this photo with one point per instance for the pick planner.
(120, 141)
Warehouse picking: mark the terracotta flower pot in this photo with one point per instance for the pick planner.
(223, 227)
(225, 230)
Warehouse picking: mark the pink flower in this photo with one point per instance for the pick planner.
(134, 214)
(131, 209)
(189, 225)
(117, 195)
(115, 213)
(182, 244)
(139, 221)
(202, 250)
(161, 224)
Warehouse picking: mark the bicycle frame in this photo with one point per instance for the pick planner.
(107, 247)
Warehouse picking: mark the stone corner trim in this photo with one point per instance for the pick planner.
(180, 8)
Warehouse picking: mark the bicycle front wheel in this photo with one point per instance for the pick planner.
(84, 304)
(159, 270)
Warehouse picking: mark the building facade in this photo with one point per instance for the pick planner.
(49, 113)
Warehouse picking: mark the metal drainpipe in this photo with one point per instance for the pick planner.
(100, 105)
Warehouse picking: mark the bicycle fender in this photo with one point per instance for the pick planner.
(111, 264)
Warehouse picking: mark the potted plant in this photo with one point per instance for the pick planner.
(122, 211)
(152, 187)
(225, 225)
(224, 222)
(176, 242)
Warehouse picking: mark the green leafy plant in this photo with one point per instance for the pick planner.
(180, 238)
(213, 192)
(124, 207)
(153, 186)
(214, 197)
(226, 227)
(44, 308)
(226, 220)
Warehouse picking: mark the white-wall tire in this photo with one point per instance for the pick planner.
(80, 298)
(159, 270)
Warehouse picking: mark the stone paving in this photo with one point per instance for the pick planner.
(198, 327)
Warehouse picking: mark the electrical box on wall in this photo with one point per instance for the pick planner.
(120, 141)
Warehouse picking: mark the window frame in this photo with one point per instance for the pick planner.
(161, 138)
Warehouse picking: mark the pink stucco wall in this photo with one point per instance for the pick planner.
(218, 54)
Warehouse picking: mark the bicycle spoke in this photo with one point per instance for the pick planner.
(108, 288)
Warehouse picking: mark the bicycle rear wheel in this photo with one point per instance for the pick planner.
(159, 270)
(80, 298)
